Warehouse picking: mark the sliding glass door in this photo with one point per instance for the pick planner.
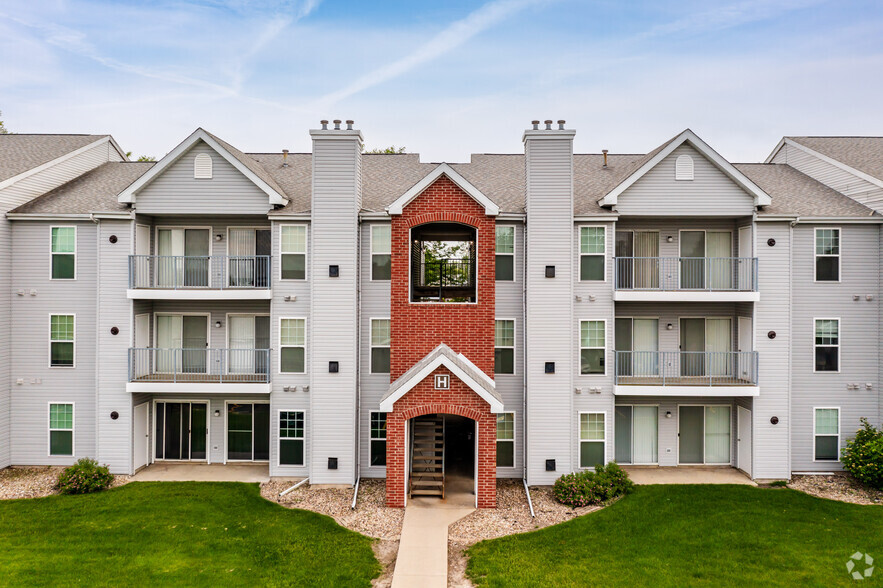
(248, 432)
(183, 257)
(708, 342)
(640, 338)
(181, 430)
(248, 342)
(638, 260)
(181, 342)
(249, 250)
(704, 435)
(637, 434)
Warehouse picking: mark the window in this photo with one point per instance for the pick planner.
(827, 255)
(202, 166)
(378, 438)
(61, 340)
(827, 345)
(291, 438)
(506, 440)
(593, 250)
(827, 434)
(61, 429)
(64, 253)
(592, 338)
(592, 439)
(505, 254)
(379, 346)
(381, 252)
(504, 347)
(293, 250)
(684, 167)
(292, 341)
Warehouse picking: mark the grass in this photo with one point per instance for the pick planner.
(691, 535)
(181, 534)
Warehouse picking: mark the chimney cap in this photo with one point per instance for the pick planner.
(561, 124)
(324, 124)
(285, 151)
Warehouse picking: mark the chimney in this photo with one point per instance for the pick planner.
(285, 158)
(604, 151)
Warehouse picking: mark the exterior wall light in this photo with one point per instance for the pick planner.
(217, 324)
(669, 239)
(669, 327)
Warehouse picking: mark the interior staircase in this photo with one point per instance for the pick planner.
(427, 457)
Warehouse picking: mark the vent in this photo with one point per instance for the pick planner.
(684, 168)
(202, 167)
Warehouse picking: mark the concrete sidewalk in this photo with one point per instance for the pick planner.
(687, 475)
(202, 472)
(422, 561)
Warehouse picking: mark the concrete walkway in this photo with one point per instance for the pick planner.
(202, 472)
(687, 475)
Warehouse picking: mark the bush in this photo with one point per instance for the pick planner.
(84, 477)
(863, 456)
(585, 487)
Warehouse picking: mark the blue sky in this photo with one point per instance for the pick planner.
(444, 79)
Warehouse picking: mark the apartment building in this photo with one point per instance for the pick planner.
(338, 315)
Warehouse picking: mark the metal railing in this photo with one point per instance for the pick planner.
(243, 366)
(445, 277)
(208, 272)
(669, 274)
(687, 368)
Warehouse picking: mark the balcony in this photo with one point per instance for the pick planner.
(185, 277)
(686, 373)
(199, 370)
(444, 280)
(685, 279)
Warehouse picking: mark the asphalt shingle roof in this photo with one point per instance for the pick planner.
(862, 153)
(19, 153)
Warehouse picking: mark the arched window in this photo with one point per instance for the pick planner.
(684, 168)
(202, 167)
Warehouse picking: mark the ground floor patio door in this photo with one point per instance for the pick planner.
(637, 434)
(248, 432)
(743, 441)
(704, 434)
(181, 431)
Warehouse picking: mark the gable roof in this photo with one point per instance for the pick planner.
(443, 169)
(862, 156)
(246, 165)
(650, 161)
(458, 365)
(22, 153)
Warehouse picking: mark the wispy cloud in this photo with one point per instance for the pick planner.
(450, 38)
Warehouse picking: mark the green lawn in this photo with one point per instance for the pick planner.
(190, 533)
(692, 535)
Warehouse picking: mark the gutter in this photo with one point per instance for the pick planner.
(36, 216)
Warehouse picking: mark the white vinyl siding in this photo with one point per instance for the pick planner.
(380, 338)
(292, 345)
(827, 345)
(293, 252)
(63, 253)
(592, 347)
(291, 438)
(593, 254)
(826, 434)
(61, 429)
(378, 439)
(506, 440)
(592, 439)
(827, 255)
(505, 253)
(504, 346)
(381, 252)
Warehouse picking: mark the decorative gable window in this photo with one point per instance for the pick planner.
(202, 166)
(684, 167)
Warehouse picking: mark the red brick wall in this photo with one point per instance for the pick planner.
(425, 399)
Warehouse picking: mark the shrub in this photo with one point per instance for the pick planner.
(863, 456)
(84, 477)
(584, 488)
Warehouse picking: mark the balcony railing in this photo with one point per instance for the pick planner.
(686, 368)
(199, 366)
(196, 272)
(672, 274)
(445, 278)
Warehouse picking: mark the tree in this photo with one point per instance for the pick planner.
(141, 157)
(3, 129)
(391, 150)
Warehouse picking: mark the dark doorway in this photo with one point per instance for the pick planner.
(460, 453)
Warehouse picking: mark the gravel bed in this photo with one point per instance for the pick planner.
(372, 517)
(842, 487)
(36, 481)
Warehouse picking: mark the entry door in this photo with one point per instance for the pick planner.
(746, 344)
(743, 441)
(140, 439)
(245, 267)
(184, 258)
(248, 432)
(181, 430)
(693, 346)
(745, 269)
(142, 250)
(691, 434)
(181, 343)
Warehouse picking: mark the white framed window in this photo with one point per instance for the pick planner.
(293, 252)
(292, 345)
(506, 440)
(592, 347)
(61, 429)
(504, 346)
(63, 253)
(381, 252)
(380, 338)
(826, 434)
(378, 439)
(684, 168)
(827, 345)
(827, 244)
(593, 254)
(202, 166)
(62, 329)
(291, 437)
(505, 253)
(592, 439)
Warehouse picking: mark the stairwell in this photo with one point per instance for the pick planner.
(427, 457)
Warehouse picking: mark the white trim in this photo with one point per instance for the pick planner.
(371, 345)
(199, 294)
(496, 405)
(279, 439)
(269, 431)
(49, 428)
(684, 296)
(73, 341)
(52, 253)
(692, 391)
(836, 163)
(606, 218)
(838, 346)
(512, 255)
(410, 267)
(580, 440)
(513, 347)
(62, 158)
(151, 445)
(580, 347)
(129, 195)
(197, 388)
(490, 209)
(305, 252)
(371, 253)
(279, 340)
(816, 255)
(513, 440)
(579, 245)
(761, 198)
(814, 434)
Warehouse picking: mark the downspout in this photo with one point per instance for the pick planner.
(529, 502)
(358, 441)
(524, 457)
(97, 344)
(355, 494)
(295, 487)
